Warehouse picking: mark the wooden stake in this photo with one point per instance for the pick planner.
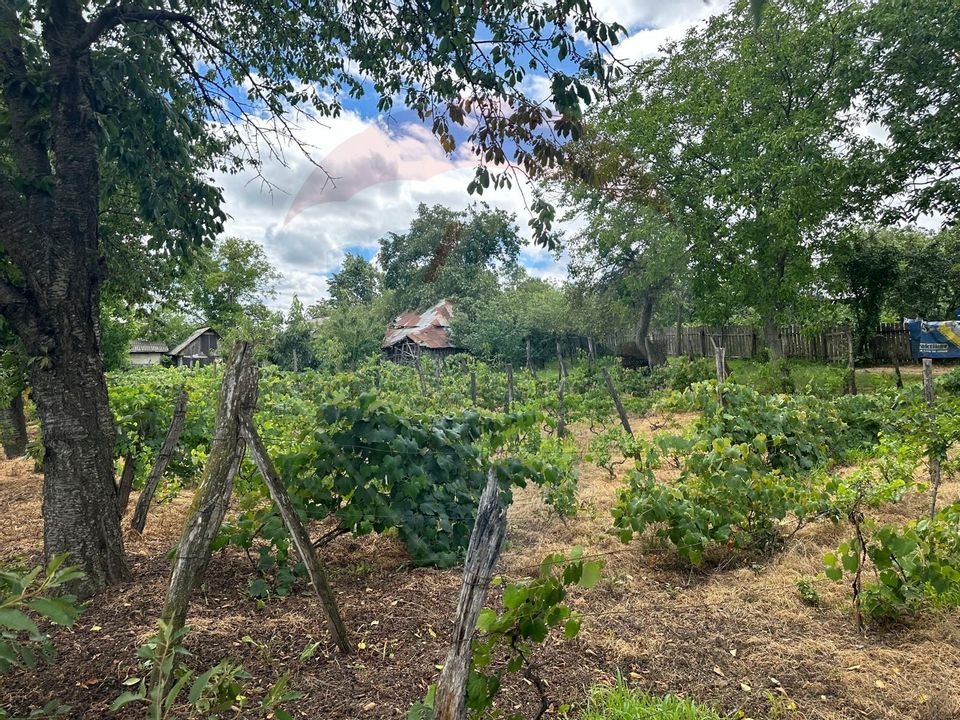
(509, 386)
(529, 354)
(238, 397)
(720, 361)
(929, 396)
(561, 417)
(126, 481)
(562, 370)
(299, 536)
(139, 521)
(624, 420)
(591, 356)
(851, 366)
(473, 386)
(486, 543)
(419, 367)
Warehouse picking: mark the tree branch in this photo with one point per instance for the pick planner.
(118, 14)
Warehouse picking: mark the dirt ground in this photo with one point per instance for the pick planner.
(738, 637)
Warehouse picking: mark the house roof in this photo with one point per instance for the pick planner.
(193, 336)
(147, 346)
(429, 329)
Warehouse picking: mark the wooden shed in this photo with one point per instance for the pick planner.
(413, 334)
(147, 352)
(198, 349)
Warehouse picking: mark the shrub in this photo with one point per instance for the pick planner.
(678, 373)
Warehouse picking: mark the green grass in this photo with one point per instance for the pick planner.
(621, 703)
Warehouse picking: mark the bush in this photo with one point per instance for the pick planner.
(678, 373)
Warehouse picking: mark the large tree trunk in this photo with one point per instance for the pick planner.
(49, 229)
(771, 336)
(13, 428)
(643, 330)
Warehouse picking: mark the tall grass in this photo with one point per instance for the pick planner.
(619, 702)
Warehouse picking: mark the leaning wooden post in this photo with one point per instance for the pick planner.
(611, 388)
(139, 521)
(561, 417)
(419, 367)
(851, 365)
(298, 534)
(486, 542)
(720, 360)
(509, 386)
(929, 396)
(126, 480)
(238, 397)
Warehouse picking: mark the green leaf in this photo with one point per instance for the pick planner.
(16, 620)
(572, 627)
(55, 610)
(591, 573)
(124, 699)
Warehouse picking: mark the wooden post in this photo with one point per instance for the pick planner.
(929, 396)
(703, 342)
(561, 418)
(486, 543)
(238, 397)
(753, 343)
(896, 367)
(473, 386)
(419, 367)
(298, 534)
(296, 361)
(509, 386)
(851, 366)
(126, 481)
(624, 420)
(529, 354)
(139, 521)
(591, 354)
(562, 370)
(720, 360)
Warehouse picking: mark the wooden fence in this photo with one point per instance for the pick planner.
(891, 341)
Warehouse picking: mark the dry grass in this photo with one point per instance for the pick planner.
(740, 638)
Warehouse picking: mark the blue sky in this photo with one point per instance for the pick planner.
(306, 227)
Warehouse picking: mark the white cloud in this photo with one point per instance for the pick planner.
(382, 174)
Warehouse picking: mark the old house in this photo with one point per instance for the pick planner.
(413, 334)
(147, 352)
(198, 349)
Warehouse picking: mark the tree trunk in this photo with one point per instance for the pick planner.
(13, 428)
(49, 230)
(643, 330)
(771, 336)
(238, 397)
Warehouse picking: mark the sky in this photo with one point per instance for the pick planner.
(306, 224)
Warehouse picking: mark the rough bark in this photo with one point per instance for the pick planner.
(13, 428)
(139, 521)
(643, 330)
(49, 230)
(771, 336)
(611, 388)
(238, 397)
(486, 542)
(299, 536)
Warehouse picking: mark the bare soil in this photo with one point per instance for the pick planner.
(736, 636)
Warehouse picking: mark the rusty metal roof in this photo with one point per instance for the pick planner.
(429, 329)
(147, 346)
